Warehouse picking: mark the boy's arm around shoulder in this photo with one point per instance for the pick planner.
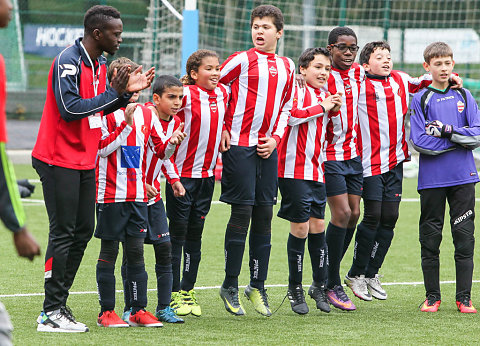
(420, 140)
(232, 68)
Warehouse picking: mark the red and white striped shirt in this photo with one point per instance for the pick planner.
(262, 95)
(381, 111)
(342, 130)
(300, 151)
(121, 161)
(155, 165)
(203, 113)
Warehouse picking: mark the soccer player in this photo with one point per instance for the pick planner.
(203, 110)
(122, 212)
(445, 128)
(66, 148)
(343, 165)
(11, 210)
(167, 99)
(262, 96)
(301, 181)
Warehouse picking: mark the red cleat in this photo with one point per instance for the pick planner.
(144, 319)
(430, 304)
(465, 306)
(111, 320)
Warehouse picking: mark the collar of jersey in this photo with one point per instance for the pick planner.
(374, 76)
(101, 59)
(438, 91)
(308, 85)
(269, 55)
(208, 91)
(344, 71)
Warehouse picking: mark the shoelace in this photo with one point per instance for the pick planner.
(67, 312)
(430, 301)
(465, 301)
(234, 295)
(264, 296)
(376, 279)
(321, 292)
(340, 293)
(193, 296)
(297, 295)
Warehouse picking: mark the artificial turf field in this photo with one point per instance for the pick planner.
(394, 321)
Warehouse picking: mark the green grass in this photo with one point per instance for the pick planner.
(394, 321)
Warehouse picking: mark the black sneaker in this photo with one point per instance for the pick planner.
(318, 293)
(297, 300)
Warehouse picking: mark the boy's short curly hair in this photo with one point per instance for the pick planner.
(97, 16)
(340, 31)
(119, 62)
(309, 54)
(437, 50)
(268, 11)
(370, 48)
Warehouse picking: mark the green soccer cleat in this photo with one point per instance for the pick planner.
(259, 300)
(168, 315)
(190, 298)
(179, 305)
(231, 301)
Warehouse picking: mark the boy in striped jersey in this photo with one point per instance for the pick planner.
(167, 98)
(122, 214)
(262, 96)
(301, 181)
(381, 111)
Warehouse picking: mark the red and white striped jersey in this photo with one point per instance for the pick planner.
(341, 136)
(155, 165)
(300, 150)
(121, 162)
(262, 95)
(381, 111)
(203, 113)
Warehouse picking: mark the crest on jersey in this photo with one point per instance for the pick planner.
(144, 129)
(273, 71)
(460, 106)
(213, 107)
(348, 88)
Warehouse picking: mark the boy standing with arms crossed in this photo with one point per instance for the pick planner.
(445, 128)
(262, 96)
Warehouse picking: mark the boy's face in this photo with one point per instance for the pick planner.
(265, 34)
(110, 37)
(380, 62)
(317, 72)
(441, 68)
(208, 73)
(169, 103)
(343, 52)
(5, 15)
(134, 97)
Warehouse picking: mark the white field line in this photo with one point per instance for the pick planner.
(413, 283)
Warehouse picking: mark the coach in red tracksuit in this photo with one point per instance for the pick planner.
(66, 148)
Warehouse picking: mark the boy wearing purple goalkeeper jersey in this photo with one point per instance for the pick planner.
(445, 128)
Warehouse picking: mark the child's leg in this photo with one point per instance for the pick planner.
(295, 251)
(105, 274)
(432, 204)
(461, 200)
(354, 203)
(163, 271)
(317, 248)
(136, 275)
(126, 287)
(260, 244)
(196, 223)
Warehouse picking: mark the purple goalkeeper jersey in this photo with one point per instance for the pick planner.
(445, 161)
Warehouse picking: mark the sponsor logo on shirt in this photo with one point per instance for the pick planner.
(273, 71)
(68, 70)
(440, 99)
(460, 106)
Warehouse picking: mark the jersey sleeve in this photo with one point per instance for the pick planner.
(469, 136)
(170, 171)
(112, 139)
(415, 84)
(422, 142)
(231, 68)
(287, 104)
(300, 114)
(163, 149)
(65, 77)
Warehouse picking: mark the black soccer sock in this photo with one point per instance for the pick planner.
(234, 248)
(126, 288)
(259, 257)
(178, 230)
(379, 250)
(317, 248)
(164, 285)
(334, 238)
(191, 262)
(106, 285)
(364, 241)
(295, 253)
(348, 239)
(137, 280)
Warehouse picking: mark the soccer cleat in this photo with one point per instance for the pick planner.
(111, 320)
(297, 300)
(59, 321)
(339, 299)
(465, 305)
(179, 305)
(168, 315)
(431, 304)
(231, 301)
(320, 296)
(144, 319)
(126, 315)
(358, 285)
(375, 287)
(190, 298)
(259, 299)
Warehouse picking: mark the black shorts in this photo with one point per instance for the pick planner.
(115, 220)
(196, 202)
(301, 200)
(247, 178)
(344, 177)
(157, 224)
(384, 187)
